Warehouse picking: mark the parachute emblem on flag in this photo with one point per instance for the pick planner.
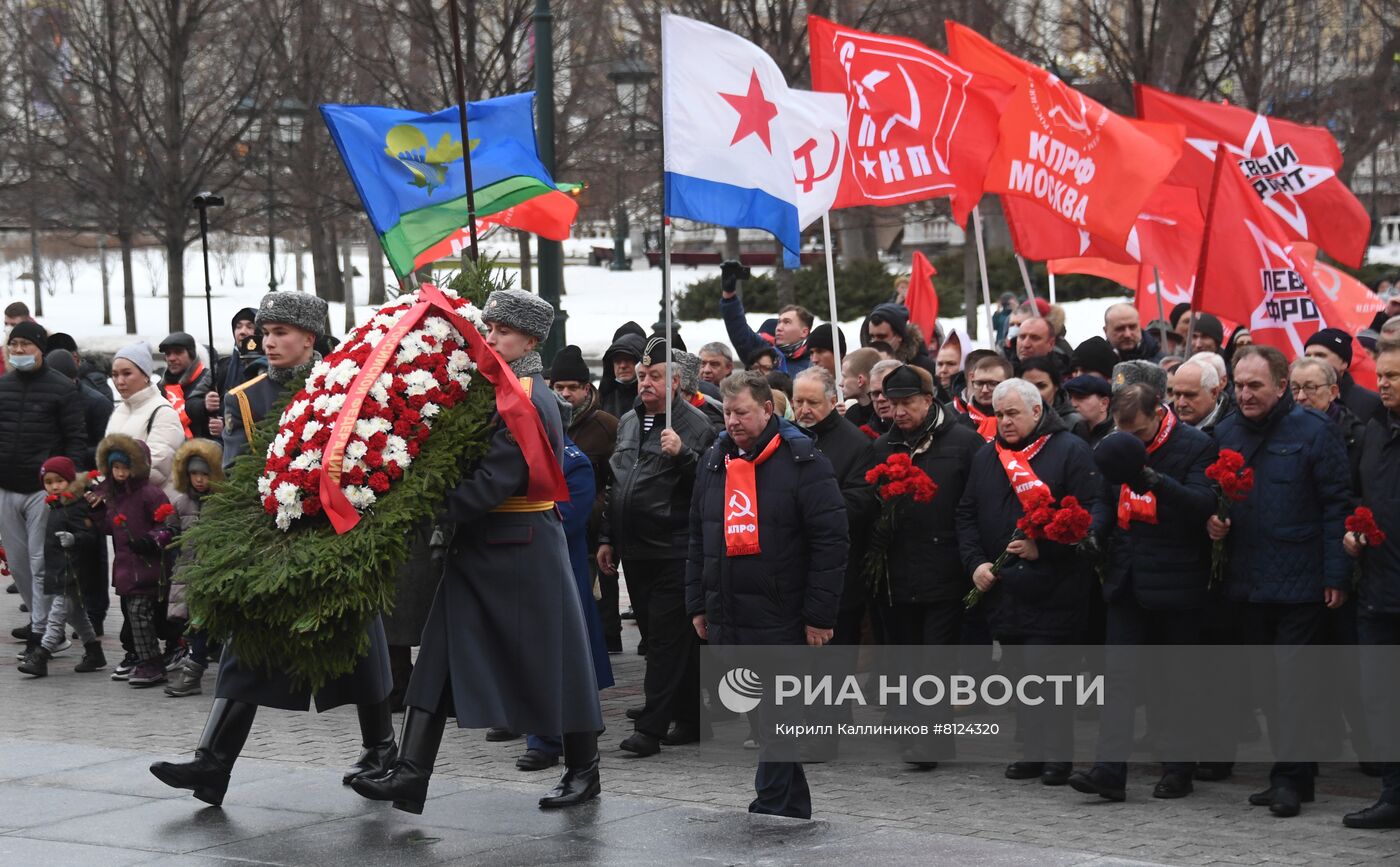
(409, 145)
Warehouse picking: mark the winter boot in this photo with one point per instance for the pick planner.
(406, 783)
(219, 746)
(580, 781)
(93, 658)
(186, 679)
(36, 664)
(377, 735)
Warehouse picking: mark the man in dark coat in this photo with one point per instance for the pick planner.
(1285, 563)
(1155, 583)
(506, 644)
(1334, 346)
(595, 433)
(186, 383)
(617, 390)
(97, 408)
(651, 477)
(231, 369)
(41, 416)
(1089, 395)
(852, 454)
(290, 322)
(1378, 615)
(1040, 598)
(767, 560)
(1123, 328)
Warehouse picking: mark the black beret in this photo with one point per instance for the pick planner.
(904, 381)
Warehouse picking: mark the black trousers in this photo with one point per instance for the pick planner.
(848, 624)
(1171, 700)
(638, 577)
(607, 603)
(1378, 692)
(1286, 627)
(1047, 730)
(672, 682)
(926, 624)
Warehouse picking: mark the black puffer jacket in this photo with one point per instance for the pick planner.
(1378, 481)
(1364, 403)
(644, 512)
(41, 415)
(924, 561)
(1166, 565)
(64, 567)
(795, 582)
(851, 453)
(1047, 597)
(616, 398)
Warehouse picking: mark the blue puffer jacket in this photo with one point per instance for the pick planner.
(1285, 541)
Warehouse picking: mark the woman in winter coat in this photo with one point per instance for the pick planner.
(198, 467)
(143, 413)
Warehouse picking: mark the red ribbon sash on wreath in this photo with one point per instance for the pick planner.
(741, 501)
(1143, 507)
(1018, 470)
(513, 405)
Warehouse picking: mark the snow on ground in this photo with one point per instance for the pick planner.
(596, 299)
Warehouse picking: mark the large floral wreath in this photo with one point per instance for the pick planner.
(269, 567)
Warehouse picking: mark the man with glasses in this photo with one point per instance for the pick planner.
(1315, 385)
(986, 370)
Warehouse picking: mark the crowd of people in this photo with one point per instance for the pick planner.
(728, 489)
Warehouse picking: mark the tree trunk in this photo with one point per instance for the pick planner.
(35, 261)
(323, 267)
(783, 279)
(857, 234)
(376, 267)
(175, 273)
(527, 276)
(731, 243)
(972, 282)
(347, 271)
(106, 281)
(128, 279)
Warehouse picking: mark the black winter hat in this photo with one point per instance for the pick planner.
(33, 332)
(820, 338)
(1121, 457)
(1094, 354)
(628, 328)
(247, 313)
(1334, 339)
(60, 340)
(1210, 326)
(569, 366)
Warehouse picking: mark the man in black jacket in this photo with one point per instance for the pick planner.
(617, 389)
(186, 382)
(41, 416)
(1334, 346)
(852, 454)
(652, 474)
(1378, 612)
(767, 558)
(1156, 580)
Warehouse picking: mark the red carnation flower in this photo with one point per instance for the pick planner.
(1362, 522)
(270, 504)
(311, 505)
(163, 513)
(119, 520)
(379, 483)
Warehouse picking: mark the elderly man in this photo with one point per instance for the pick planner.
(1040, 597)
(690, 388)
(290, 322)
(1155, 584)
(1285, 564)
(41, 416)
(716, 362)
(1124, 332)
(789, 337)
(1198, 394)
(1315, 385)
(851, 454)
(595, 433)
(985, 371)
(770, 573)
(186, 383)
(1089, 395)
(880, 422)
(1035, 339)
(645, 522)
(1378, 614)
(1334, 346)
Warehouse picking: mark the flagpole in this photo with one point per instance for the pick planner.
(1025, 279)
(831, 298)
(1052, 285)
(1198, 288)
(982, 267)
(666, 297)
(1161, 311)
(459, 80)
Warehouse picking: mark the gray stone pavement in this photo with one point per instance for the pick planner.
(74, 789)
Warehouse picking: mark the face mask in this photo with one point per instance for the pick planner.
(23, 362)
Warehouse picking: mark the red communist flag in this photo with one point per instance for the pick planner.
(1093, 168)
(921, 127)
(1293, 168)
(922, 298)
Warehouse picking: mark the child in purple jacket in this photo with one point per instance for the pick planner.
(130, 508)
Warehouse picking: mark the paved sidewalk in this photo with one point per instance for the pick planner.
(74, 750)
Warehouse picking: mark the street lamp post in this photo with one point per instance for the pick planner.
(550, 256)
(631, 79)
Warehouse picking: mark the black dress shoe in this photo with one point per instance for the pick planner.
(575, 787)
(1097, 781)
(1055, 773)
(1378, 815)
(681, 734)
(496, 735)
(1262, 799)
(536, 760)
(642, 744)
(1173, 785)
(1214, 772)
(1024, 770)
(1286, 802)
(636, 712)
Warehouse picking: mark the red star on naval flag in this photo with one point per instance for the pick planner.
(756, 113)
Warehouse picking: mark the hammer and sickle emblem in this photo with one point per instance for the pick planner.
(740, 506)
(810, 178)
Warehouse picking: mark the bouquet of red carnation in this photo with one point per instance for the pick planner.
(1362, 522)
(4, 565)
(1067, 524)
(896, 481)
(163, 513)
(1233, 482)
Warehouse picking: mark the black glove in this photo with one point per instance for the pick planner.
(145, 546)
(1090, 548)
(730, 273)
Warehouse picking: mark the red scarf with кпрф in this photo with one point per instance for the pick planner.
(741, 501)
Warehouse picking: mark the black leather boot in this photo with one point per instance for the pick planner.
(377, 736)
(581, 781)
(219, 746)
(406, 783)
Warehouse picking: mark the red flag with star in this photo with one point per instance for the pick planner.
(921, 126)
(1292, 167)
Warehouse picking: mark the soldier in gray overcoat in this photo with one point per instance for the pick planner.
(506, 643)
(290, 322)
